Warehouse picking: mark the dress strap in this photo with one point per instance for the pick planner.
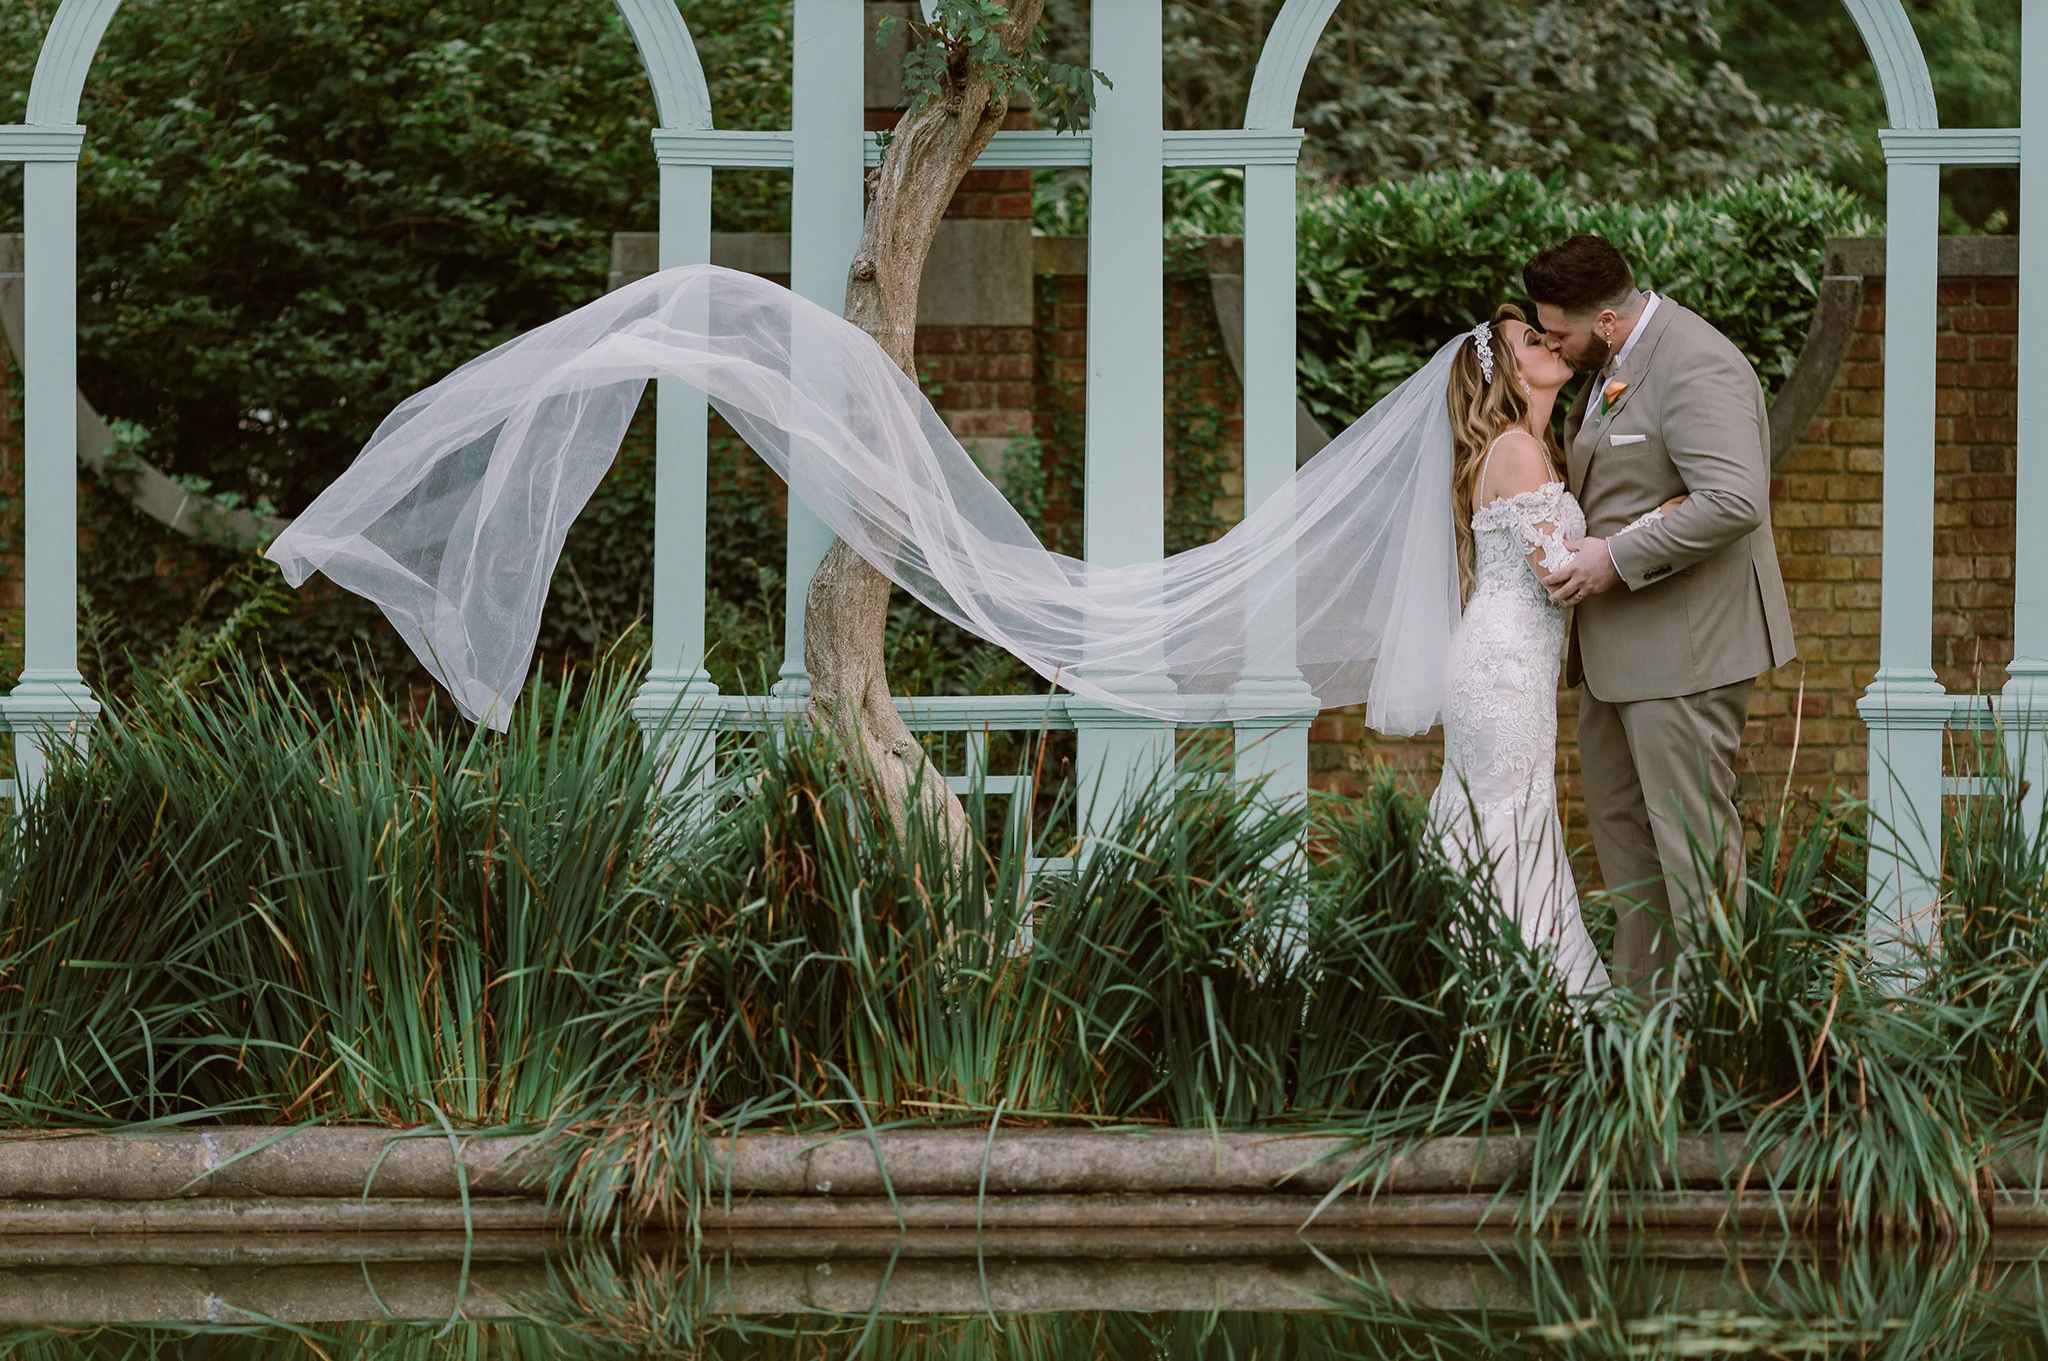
(1486, 462)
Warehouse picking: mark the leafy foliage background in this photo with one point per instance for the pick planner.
(1620, 97)
(294, 213)
(1391, 272)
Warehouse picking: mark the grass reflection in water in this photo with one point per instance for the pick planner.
(1448, 1298)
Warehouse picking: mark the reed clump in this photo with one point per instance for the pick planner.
(249, 902)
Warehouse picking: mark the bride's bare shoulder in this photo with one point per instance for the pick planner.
(1517, 464)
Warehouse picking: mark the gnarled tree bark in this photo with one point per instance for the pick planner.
(847, 605)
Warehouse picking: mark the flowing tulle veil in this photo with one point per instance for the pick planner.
(454, 515)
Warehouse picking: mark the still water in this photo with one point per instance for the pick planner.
(1248, 1296)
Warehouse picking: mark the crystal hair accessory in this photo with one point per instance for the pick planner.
(1482, 340)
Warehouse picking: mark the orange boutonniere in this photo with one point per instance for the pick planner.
(1609, 395)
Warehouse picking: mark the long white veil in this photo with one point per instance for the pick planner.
(453, 516)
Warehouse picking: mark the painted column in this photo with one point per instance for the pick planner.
(1275, 747)
(826, 210)
(672, 701)
(1124, 496)
(2023, 707)
(1905, 707)
(51, 705)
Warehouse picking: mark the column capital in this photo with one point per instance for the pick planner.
(1272, 700)
(41, 141)
(1091, 713)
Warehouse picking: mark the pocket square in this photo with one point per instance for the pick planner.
(1626, 439)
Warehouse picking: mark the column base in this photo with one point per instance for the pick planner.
(1119, 756)
(677, 718)
(2022, 710)
(47, 713)
(1908, 714)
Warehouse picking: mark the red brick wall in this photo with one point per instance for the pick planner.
(1830, 516)
(979, 378)
(1204, 409)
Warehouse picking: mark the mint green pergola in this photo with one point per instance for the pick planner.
(1906, 709)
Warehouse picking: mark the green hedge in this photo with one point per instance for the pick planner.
(1389, 273)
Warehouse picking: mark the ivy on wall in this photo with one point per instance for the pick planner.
(1203, 397)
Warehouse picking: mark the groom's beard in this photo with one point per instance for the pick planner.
(1593, 357)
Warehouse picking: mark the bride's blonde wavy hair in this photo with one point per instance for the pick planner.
(1480, 412)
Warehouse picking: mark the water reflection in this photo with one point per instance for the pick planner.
(1129, 1296)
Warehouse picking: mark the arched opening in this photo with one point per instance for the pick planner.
(1907, 710)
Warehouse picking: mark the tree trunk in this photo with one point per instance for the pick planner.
(846, 608)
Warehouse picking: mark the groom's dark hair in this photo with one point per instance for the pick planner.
(1579, 275)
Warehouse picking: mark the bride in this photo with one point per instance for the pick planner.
(1394, 570)
(1498, 797)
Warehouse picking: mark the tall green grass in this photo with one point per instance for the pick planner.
(249, 902)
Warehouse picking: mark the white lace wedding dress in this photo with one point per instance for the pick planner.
(1500, 728)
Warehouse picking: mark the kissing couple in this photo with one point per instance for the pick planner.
(1646, 542)
(1429, 563)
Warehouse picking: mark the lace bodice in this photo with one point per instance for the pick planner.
(1498, 798)
(1506, 530)
(1500, 711)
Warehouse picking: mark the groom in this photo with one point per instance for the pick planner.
(1675, 620)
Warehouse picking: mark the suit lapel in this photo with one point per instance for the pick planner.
(1586, 446)
(1576, 456)
(1637, 366)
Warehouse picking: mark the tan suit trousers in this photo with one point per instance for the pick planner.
(1659, 777)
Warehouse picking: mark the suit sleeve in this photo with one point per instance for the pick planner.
(1710, 435)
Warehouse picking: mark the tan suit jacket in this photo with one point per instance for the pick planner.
(1703, 605)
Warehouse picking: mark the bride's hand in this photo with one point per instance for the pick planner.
(1673, 504)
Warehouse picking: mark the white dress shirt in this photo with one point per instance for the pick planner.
(1600, 385)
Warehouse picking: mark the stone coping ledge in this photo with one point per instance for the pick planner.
(337, 1161)
(1962, 257)
(945, 1162)
(242, 1161)
(272, 1215)
(1709, 1211)
(352, 1179)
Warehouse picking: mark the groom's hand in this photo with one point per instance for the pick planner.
(1590, 572)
